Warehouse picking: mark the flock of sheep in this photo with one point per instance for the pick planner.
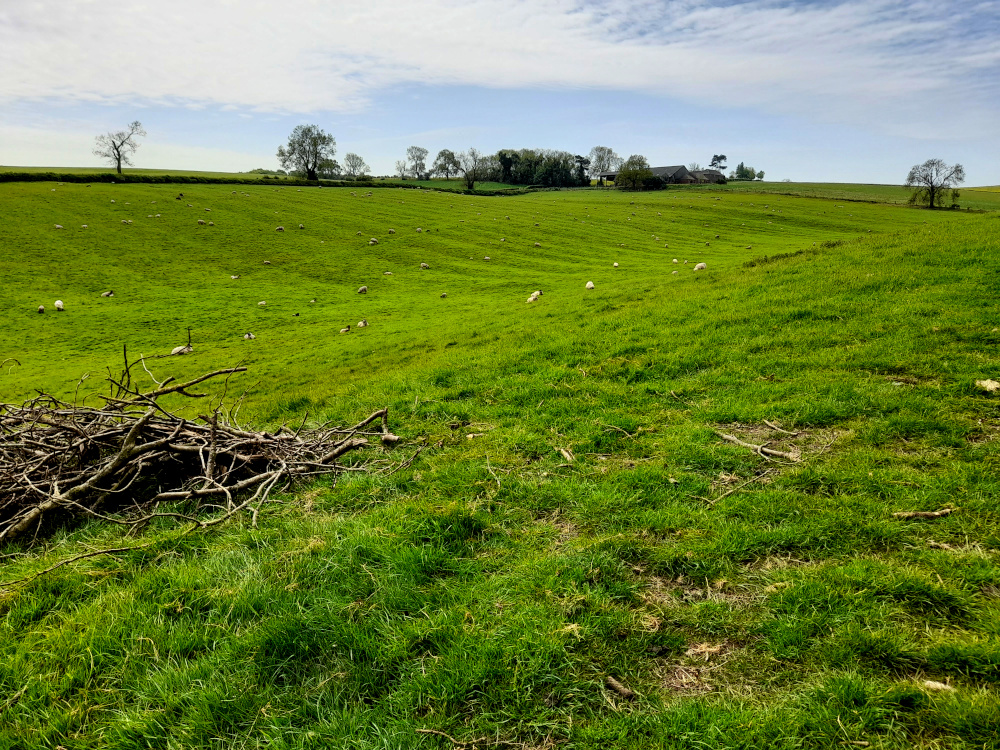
(188, 348)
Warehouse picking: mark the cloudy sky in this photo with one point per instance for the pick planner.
(825, 90)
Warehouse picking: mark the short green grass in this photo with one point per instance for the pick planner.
(489, 589)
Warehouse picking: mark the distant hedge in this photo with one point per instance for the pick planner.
(111, 177)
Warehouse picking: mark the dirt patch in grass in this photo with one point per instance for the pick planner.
(697, 671)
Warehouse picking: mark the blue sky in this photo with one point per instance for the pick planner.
(825, 90)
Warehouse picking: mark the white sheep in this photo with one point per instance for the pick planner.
(673, 273)
(83, 226)
(419, 230)
(345, 330)
(362, 323)
(614, 265)
(279, 229)
(249, 335)
(211, 223)
(201, 222)
(302, 226)
(267, 262)
(590, 285)
(59, 305)
(262, 303)
(538, 244)
(373, 241)
(424, 265)
(392, 231)
(235, 277)
(387, 273)
(363, 290)
(108, 293)
(59, 226)
(700, 267)
(41, 308)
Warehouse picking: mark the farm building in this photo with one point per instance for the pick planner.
(678, 175)
(709, 175)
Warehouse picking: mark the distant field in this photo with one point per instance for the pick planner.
(574, 522)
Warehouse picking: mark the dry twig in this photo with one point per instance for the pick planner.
(117, 462)
(908, 514)
(761, 450)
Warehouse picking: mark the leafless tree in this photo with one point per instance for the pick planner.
(401, 169)
(932, 178)
(604, 159)
(417, 158)
(355, 165)
(472, 165)
(119, 146)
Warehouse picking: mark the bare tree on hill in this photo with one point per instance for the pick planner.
(354, 165)
(118, 147)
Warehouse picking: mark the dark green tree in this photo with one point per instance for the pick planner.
(309, 150)
(633, 173)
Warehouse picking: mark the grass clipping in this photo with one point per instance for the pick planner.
(122, 461)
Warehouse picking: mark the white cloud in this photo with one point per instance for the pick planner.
(893, 63)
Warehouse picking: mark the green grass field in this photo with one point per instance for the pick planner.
(488, 590)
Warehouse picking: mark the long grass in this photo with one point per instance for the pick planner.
(489, 590)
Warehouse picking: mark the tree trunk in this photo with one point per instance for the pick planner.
(311, 174)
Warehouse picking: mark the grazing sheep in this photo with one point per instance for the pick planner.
(362, 323)
(59, 226)
(190, 205)
(345, 330)
(84, 226)
(363, 290)
(716, 236)
(387, 273)
(532, 298)
(700, 267)
(235, 277)
(444, 294)
(424, 265)
(302, 226)
(249, 335)
(262, 303)
(182, 349)
(312, 300)
(538, 244)
(486, 258)
(267, 262)
(59, 305)
(124, 222)
(675, 260)
(359, 234)
(590, 285)
(419, 229)
(392, 231)
(673, 273)
(208, 209)
(373, 241)
(201, 222)
(211, 223)
(279, 229)
(706, 244)
(112, 200)
(41, 308)
(503, 239)
(614, 265)
(108, 293)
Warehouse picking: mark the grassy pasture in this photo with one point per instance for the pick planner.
(489, 589)
(127, 170)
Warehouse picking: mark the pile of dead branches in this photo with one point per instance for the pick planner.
(131, 460)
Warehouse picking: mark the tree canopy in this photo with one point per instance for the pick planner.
(932, 178)
(604, 159)
(446, 163)
(633, 173)
(117, 147)
(309, 150)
